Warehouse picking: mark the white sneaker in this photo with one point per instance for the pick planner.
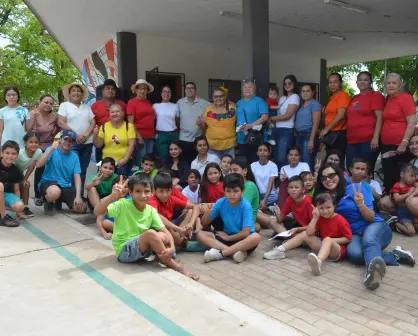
(240, 256)
(274, 254)
(315, 263)
(272, 142)
(213, 255)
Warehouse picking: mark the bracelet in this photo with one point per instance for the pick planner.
(404, 140)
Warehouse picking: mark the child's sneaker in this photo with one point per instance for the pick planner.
(38, 201)
(213, 255)
(404, 257)
(392, 222)
(49, 209)
(276, 253)
(315, 263)
(240, 256)
(375, 273)
(28, 213)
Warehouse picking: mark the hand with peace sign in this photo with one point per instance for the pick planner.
(318, 163)
(117, 190)
(315, 213)
(97, 179)
(358, 196)
(283, 176)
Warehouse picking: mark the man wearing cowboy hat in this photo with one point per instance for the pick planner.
(101, 107)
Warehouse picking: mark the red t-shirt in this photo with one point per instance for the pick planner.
(168, 208)
(335, 227)
(177, 193)
(271, 102)
(400, 190)
(394, 118)
(361, 119)
(302, 212)
(101, 111)
(215, 191)
(144, 116)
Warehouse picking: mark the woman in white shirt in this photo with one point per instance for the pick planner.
(285, 120)
(75, 116)
(203, 156)
(166, 114)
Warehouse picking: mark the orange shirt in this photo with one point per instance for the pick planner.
(337, 101)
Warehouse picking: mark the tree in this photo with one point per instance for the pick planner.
(30, 58)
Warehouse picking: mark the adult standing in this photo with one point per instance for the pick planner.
(334, 133)
(251, 111)
(364, 121)
(191, 109)
(15, 120)
(167, 114)
(101, 107)
(307, 122)
(399, 121)
(284, 121)
(142, 115)
(220, 125)
(46, 127)
(75, 116)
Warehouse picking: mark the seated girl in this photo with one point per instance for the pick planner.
(203, 157)
(193, 186)
(177, 165)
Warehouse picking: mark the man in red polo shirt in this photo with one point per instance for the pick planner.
(101, 107)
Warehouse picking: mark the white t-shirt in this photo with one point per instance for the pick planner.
(201, 166)
(78, 118)
(293, 171)
(23, 161)
(166, 114)
(192, 196)
(284, 102)
(376, 186)
(14, 119)
(262, 175)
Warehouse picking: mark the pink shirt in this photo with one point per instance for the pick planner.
(47, 128)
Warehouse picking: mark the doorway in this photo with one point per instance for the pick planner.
(173, 80)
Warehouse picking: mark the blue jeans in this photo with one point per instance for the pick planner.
(302, 140)
(361, 150)
(284, 140)
(84, 154)
(273, 197)
(141, 150)
(221, 153)
(369, 245)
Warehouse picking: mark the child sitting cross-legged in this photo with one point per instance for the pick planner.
(138, 230)
(333, 230)
(238, 237)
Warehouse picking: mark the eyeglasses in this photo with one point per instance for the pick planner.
(166, 91)
(413, 144)
(190, 88)
(218, 96)
(11, 95)
(329, 176)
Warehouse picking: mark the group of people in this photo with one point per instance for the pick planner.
(200, 176)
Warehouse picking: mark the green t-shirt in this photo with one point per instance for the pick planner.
(310, 193)
(105, 186)
(130, 222)
(152, 174)
(252, 196)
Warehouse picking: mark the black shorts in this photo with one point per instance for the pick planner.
(230, 242)
(67, 194)
(290, 223)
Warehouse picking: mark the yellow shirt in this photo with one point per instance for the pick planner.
(221, 130)
(116, 140)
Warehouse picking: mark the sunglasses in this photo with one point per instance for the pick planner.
(329, 176)
(218, 96)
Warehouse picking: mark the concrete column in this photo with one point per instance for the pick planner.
(323, 83)
(255, 14)
(128, 69)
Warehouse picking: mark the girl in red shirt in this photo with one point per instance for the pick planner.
(212, 185)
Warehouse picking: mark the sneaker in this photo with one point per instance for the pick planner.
(58, 205)
(272, 142)
(275, 253)
(8, 221)
(28, 213)
(404, 257)
(392, 222)
(240, 256)
(38, 201)
(315, 263)
(49, 209)
(375, 273)
(213, 255)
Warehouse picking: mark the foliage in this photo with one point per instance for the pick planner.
(30, 58)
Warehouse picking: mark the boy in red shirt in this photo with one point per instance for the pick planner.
(165, 203)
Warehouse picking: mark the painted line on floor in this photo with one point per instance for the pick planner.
(146, 311)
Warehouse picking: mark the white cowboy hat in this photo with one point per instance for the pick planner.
(142, 81)
(66, 90)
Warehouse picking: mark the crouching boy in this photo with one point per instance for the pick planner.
(138, 230)
(238, 237)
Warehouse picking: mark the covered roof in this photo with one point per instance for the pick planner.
(297, 26)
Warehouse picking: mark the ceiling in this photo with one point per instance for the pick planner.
(81, 27)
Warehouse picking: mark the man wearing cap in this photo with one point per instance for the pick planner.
(191, 108)
(101, 107)
(61, 181)
(75, 116)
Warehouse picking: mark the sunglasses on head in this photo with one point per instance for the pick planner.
(329, 176)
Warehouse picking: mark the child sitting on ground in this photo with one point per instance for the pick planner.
(226, 164)
(192, 189)
(238, 237)
(376, 187)
(212, 185)
(295, 167)
(401, 193)
(138, 230)
(309, 182)
(333, 230)
(148, 165)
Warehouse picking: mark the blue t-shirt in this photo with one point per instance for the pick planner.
(234, 218)
(304, 119)
(14, 119)
(253, 108)
(61, 168)
(350, 211)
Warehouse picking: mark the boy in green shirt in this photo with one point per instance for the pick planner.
(138, 230)
(148, 166)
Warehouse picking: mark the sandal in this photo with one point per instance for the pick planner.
(8, 221)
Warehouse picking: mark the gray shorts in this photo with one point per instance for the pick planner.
(329, 258)
(130, 252)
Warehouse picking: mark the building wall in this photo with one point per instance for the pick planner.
(201, 61)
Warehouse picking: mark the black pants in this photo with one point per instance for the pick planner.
(188, 151)
(392, 166)
(340, 144)
(249, 151)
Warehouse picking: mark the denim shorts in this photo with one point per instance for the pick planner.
(404, 216)
(10, 199)
(130, 252)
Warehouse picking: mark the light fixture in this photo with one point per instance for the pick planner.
(334, 36)
(348, 6)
